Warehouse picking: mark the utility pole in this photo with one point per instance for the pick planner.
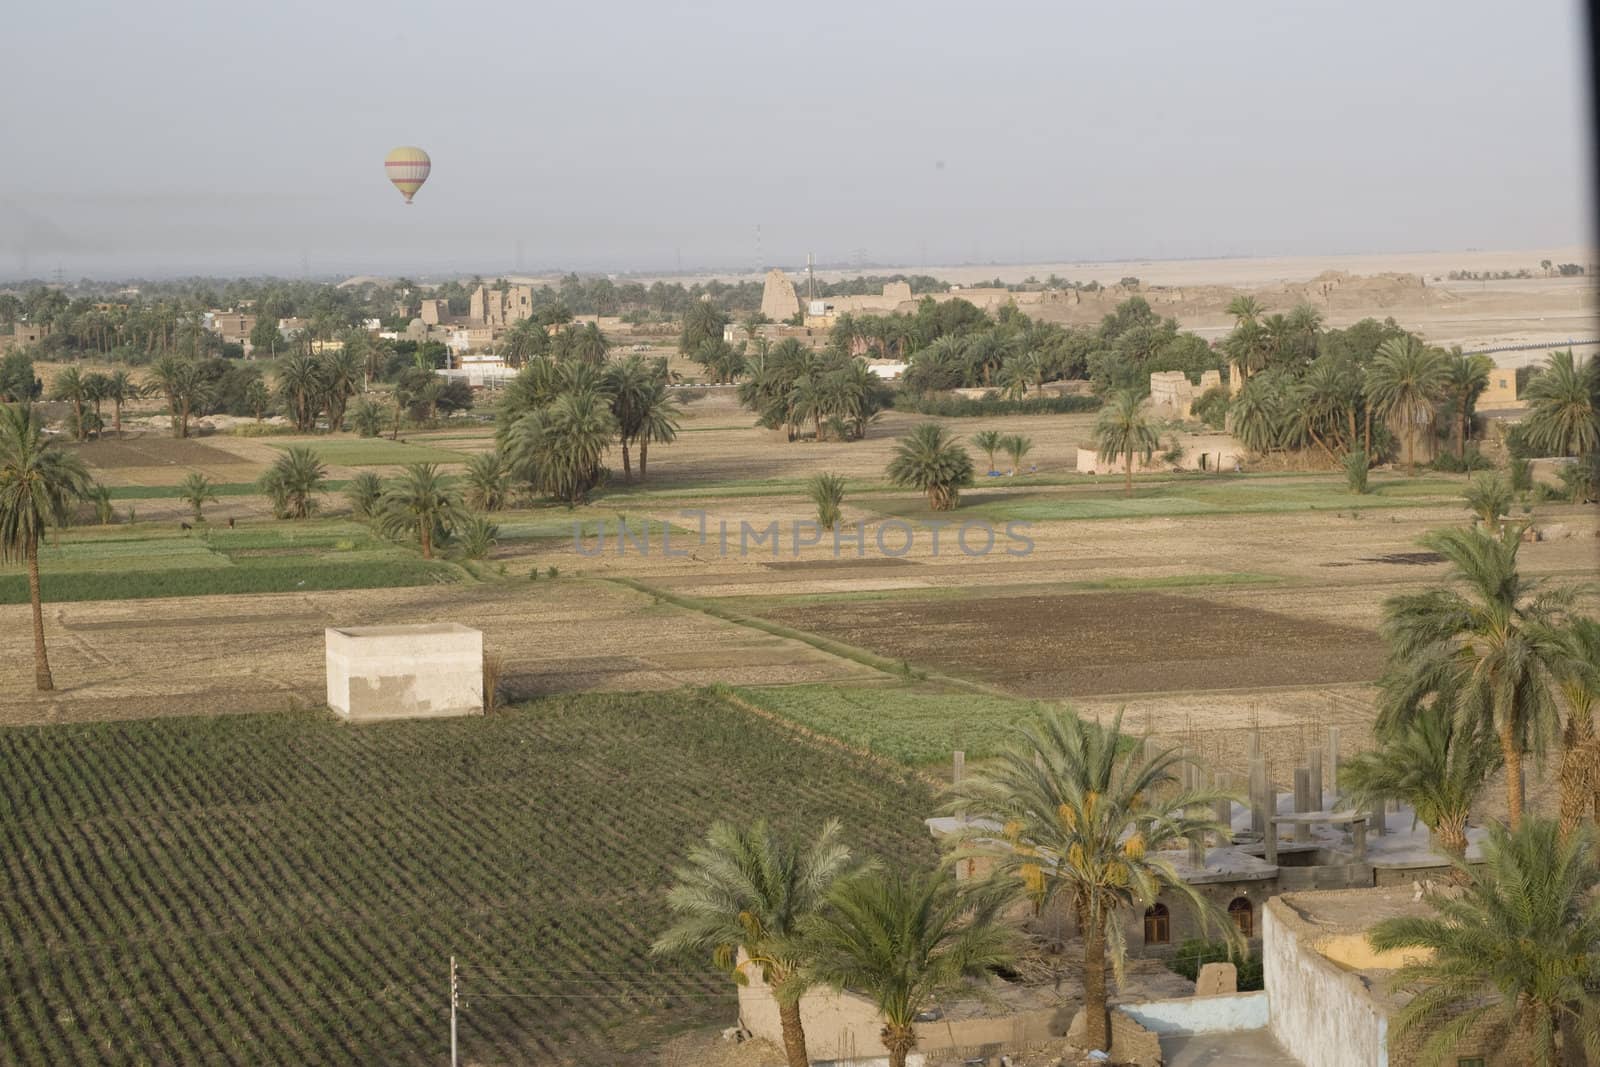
(455, 999)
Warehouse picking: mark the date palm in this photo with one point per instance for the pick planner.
(1465, 380)
(185, 385)
(39, 484)
(119, 389)
(1564, 406)
(989, 442)
(1514, 955)
(301, 387)
(750, 889)
(488, 482)
(196, 490)
(1088, 816)
(71, 385)
(1436, 762)
(904, 939)
(1122, 430)
(557, 449)
(930, 460)
(1579, 684)
(1405, 380)
(293, 482)
(423, 503)
(364, 492)
(1017, 447)
(1491, 644)
(827, 493)
(1489, 498)
(658, 422)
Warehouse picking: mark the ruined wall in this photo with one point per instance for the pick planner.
(778, 298)
(1319, 1014)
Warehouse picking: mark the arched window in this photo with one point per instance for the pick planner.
(1243, 915)
(1157, 925)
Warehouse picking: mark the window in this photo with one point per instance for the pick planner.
(1157, 925)
(1243, 915)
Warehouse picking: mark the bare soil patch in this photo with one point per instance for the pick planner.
(114, 454)
(1099, 643)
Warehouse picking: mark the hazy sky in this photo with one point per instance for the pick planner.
(177, 136)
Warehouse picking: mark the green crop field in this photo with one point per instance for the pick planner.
(1189, 495)
(122, 562)
(374, 451)
(909, 725)
(289, 889)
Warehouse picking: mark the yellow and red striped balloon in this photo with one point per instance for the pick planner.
(407, 168)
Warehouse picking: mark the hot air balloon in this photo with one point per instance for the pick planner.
(407, 168)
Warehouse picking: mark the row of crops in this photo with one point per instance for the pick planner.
(289, 889)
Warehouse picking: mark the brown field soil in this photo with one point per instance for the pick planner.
(147, 450)
(224, 655)
(1098, 643)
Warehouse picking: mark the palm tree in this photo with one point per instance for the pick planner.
(632, 385)
(366, 417)
(119, 389)
(658, 422)
(1088, 815)
(1466, 378)
(1354, 463)
(186, 387)
(1122, 430)
(1017, 446)
(423, 504)
(1405, 380)
(749, 890)
(1244, 309)
(1489, 498)
(1493, 644)
(1435, 762)
(104, 509)
(1579, 683)
(364, 492)
(196, 490)
(488, 482)
(557, 449)
(1514, 955)
(1564, 406)
(903, 939)
(928, 459)
(341, 374)
(827, 493)
(70, 385)
(990, 442)
(39, 484)
(293, 482)
(300, 385)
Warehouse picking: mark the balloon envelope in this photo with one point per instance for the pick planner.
(407, 168)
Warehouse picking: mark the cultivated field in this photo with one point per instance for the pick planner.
(286, 889)
(199, 866)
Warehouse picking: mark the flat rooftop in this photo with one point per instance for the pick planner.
(403, 629)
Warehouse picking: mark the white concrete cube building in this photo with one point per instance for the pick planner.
(424, 671)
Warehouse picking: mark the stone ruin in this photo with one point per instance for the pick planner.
(779, 301)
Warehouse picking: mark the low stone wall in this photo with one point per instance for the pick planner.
(846, 1027)
(1225, 1013)
(1131, 1043)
